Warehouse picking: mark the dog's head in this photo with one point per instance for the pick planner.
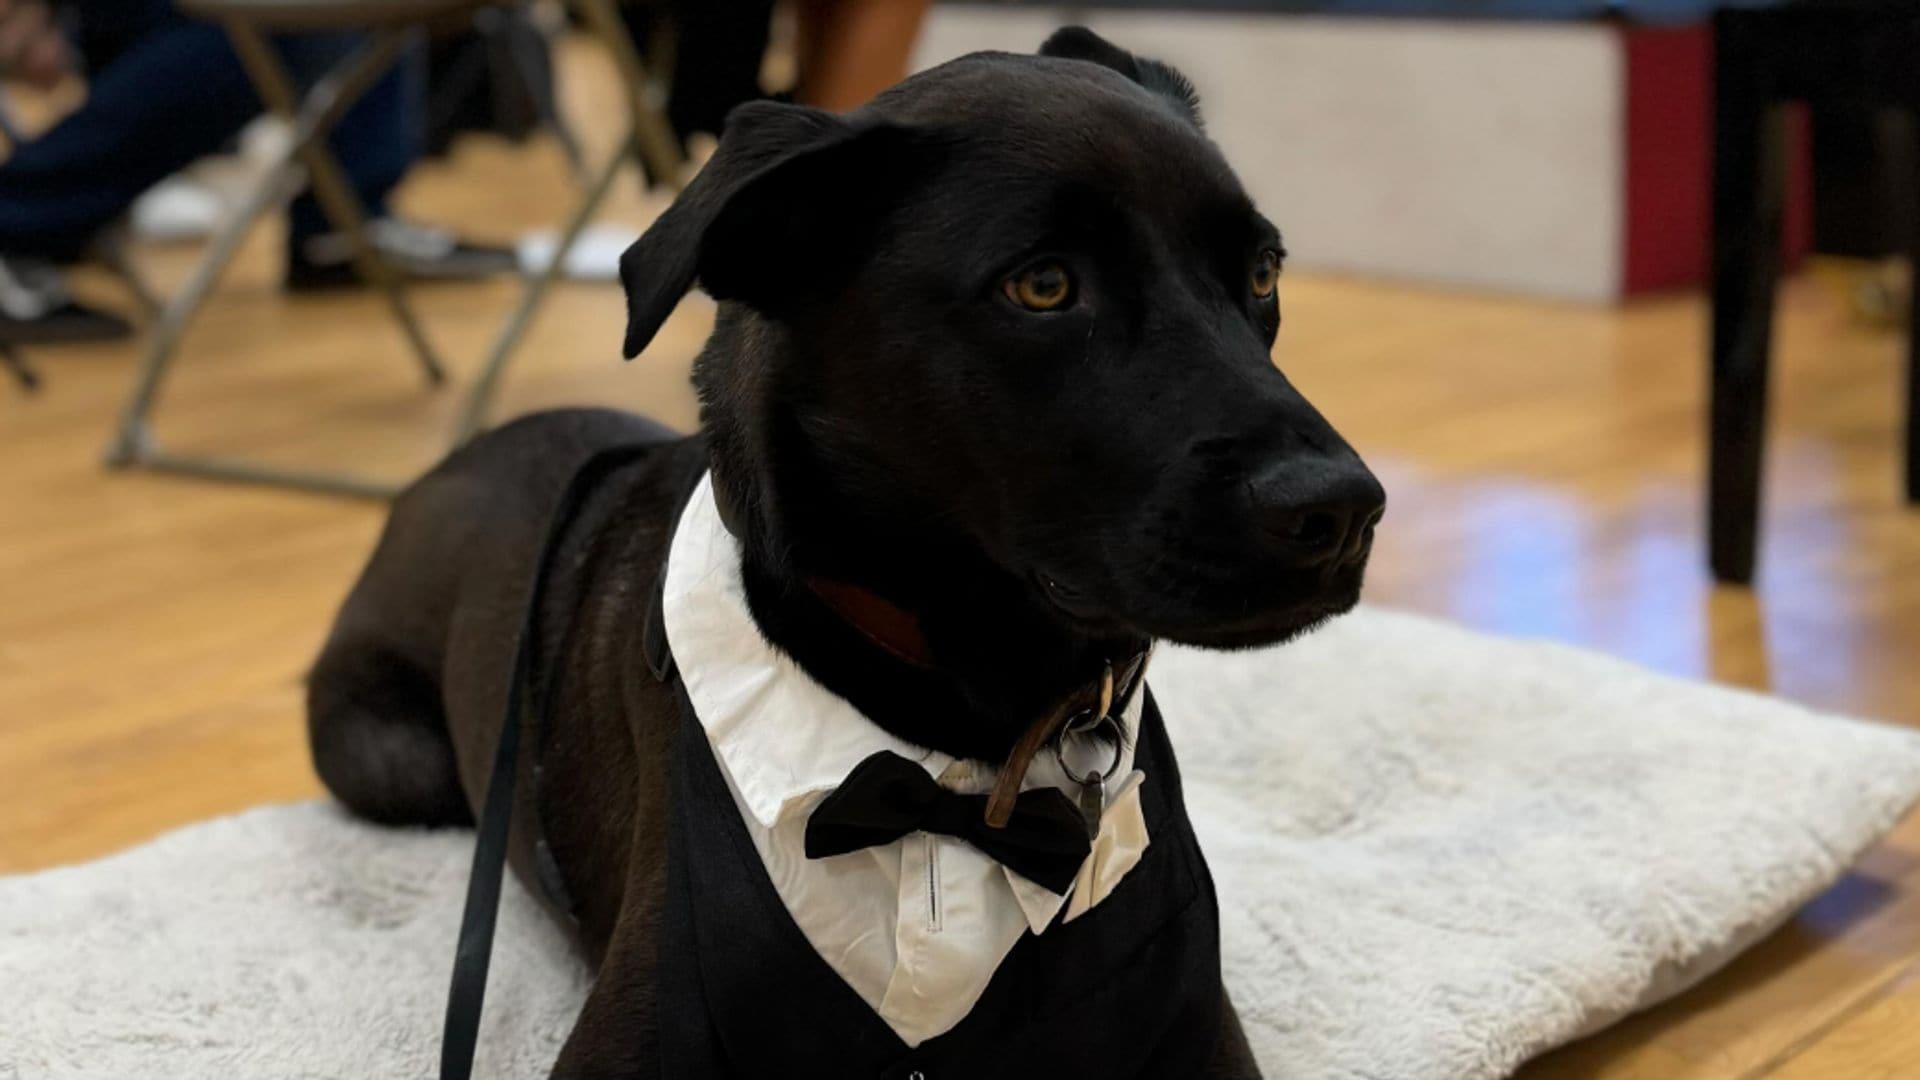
(1023, 301)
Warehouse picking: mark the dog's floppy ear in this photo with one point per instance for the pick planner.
(786, 181)
(1080, 43)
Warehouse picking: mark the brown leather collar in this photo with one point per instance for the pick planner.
(1098, 698)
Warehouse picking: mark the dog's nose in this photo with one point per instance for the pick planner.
(1319, 510)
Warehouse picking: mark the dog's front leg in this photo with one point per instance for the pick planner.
(1232, 1057)
(617, 1035)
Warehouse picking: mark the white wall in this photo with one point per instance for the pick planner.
(1461, 152)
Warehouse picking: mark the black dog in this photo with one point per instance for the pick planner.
(989, 407)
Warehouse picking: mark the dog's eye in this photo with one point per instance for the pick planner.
(1266, 273)
(1044, 287)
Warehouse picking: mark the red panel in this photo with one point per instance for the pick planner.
(1669, 161)
(1796, 232)
(1668, 156)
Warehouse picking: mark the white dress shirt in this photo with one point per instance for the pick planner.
(916, 927)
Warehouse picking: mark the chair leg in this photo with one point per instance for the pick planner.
(311, 119)
(1913, 390)
(649, 138)
(131, 442)
(16, 365)
(1748, 181)
(653, 138)
(480, 398)
(1913, 319)
(113, 249)
(330, 184)
(526, 44)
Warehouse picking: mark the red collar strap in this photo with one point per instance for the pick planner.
(888, 625)
(879, 620)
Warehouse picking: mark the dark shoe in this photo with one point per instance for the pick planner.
(416, 251)
(36, 310)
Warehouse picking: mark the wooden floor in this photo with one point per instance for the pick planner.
(1543, 463)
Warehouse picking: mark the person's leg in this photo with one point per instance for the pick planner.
(376, 143)
(104, 29)
(378, 139)
(718, 48)
(145, 119)
(851, 50)
(141, 122)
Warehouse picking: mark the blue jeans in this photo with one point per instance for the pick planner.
(167, 90)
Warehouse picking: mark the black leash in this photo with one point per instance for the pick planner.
(475, 949)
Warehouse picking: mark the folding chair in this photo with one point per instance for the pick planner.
(389, 25)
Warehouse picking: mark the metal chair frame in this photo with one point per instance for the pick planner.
(306, 157)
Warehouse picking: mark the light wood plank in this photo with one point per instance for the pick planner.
(1879, 1042)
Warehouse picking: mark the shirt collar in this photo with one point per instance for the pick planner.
(784, 739)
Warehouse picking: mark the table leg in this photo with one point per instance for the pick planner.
(1748, 182)
(1913, 318)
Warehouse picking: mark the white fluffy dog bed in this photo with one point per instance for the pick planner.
(1438, 854)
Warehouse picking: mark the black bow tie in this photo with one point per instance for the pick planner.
(886, 797)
